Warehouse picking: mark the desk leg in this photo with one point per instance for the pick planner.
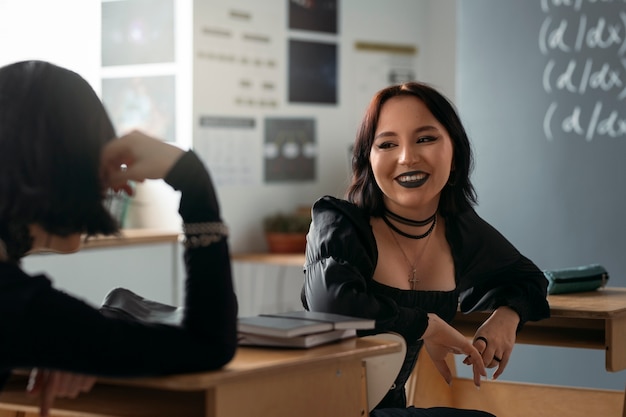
(624, 406)
(616, 344)
(318, 390)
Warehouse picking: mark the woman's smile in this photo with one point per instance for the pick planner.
(412, 179)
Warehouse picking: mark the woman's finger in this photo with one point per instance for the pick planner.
(48, 393)
(501, 365)
(478, 365)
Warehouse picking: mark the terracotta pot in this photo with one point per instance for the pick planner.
(286, 242)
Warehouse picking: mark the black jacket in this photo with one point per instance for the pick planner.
(44, 327)
(341, 257)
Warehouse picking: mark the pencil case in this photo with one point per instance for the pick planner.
(576, 279)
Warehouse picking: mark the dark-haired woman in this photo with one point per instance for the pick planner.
(406, 245)
(58, 156)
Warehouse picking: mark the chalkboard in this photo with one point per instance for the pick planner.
(542, 92)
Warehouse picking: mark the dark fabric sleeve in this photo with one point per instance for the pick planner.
(340, 261)
(208, 288)
(48, 328)
(494, 273)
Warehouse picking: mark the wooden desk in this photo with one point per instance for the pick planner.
(324, 381)
(591, 320)
(129, 237)
(281, 259)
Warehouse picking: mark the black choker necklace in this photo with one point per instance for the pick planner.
(409, 222)
(432, 219)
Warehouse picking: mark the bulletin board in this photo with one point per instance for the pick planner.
(263, 62)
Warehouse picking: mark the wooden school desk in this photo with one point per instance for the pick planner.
(280, 259)
(590, 320)
(324, 381)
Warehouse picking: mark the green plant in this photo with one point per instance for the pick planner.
(287, 223)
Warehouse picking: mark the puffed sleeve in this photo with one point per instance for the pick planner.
(341, 256)
(494, 273)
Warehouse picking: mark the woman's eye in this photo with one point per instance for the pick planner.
(385, 145)
(424, 139)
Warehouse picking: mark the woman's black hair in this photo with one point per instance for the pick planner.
(52, 130)
(456, 196)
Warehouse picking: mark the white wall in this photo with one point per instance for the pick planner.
(391, 22)
(47, 30)
(72, 40)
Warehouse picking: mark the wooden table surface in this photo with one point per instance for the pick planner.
(588, 320)
(132, 237)
(250, 361)
(327, 381)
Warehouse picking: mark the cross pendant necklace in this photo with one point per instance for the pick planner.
(413, 280)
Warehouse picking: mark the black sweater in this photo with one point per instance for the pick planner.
(44, 327)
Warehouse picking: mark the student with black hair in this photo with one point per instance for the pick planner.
(405, 246)
(58, 157)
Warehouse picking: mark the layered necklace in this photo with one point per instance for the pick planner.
(415, 223)
(409, 222)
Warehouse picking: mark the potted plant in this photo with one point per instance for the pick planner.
(286, 232)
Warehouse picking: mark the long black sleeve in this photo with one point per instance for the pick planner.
(47, 328)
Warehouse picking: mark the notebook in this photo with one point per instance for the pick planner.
(281, 326)
(304, 341)
(339, 321)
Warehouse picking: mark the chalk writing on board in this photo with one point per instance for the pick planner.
(577, 77)
(585, 71)
(546, 5)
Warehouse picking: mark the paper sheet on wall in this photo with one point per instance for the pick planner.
(225, 144)
(238, 68)
(377, 65)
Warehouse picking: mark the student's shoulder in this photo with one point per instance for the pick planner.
(476, 238)
(338, 224)
(17, 287)
(12, 275)
(472, 226)
(336, 207)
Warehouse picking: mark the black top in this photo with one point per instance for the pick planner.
(341, 257)
(44, 327)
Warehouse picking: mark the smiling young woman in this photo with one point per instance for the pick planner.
(406, 246)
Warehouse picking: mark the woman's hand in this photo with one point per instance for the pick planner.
(440, 339)
(136, 157)
(49, 385)
(495, 339)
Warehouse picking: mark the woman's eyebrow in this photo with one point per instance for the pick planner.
(420, 129)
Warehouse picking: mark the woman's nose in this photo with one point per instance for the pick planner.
(408, 155)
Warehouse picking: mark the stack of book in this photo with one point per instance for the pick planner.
(298, 329)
